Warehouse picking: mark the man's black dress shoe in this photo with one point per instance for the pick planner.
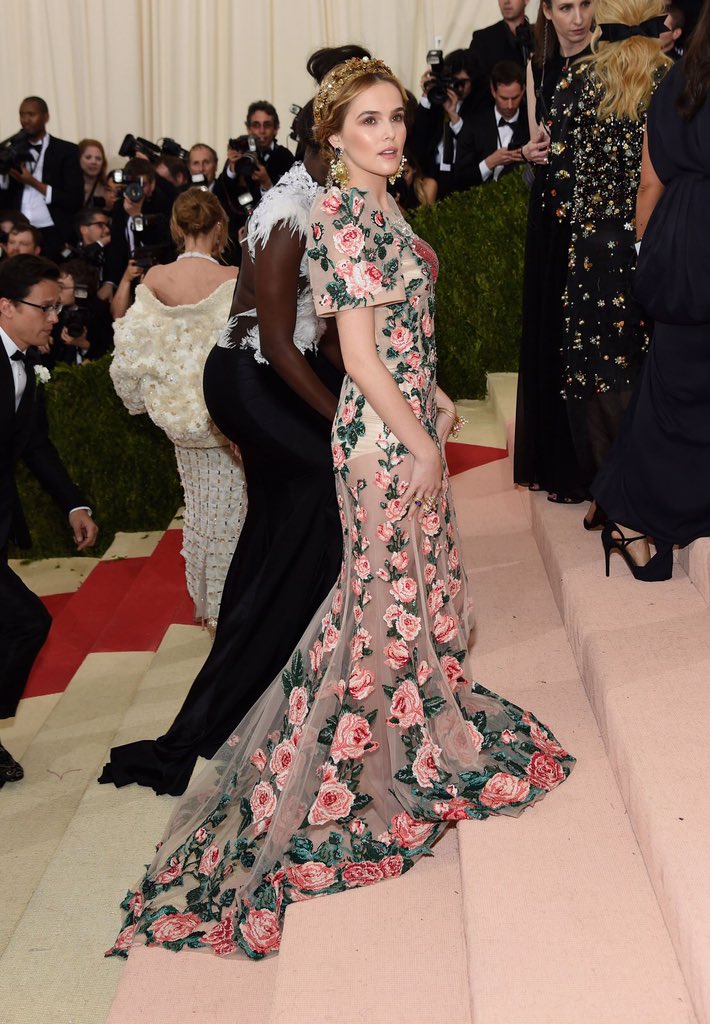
(10, 770)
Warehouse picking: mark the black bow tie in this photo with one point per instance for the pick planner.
(19, 357)
(502, 123)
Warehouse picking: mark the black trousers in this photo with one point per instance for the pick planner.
(24, 625)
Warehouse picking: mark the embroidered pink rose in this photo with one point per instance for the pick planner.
(330, 203)
(379, 218)
(174, 927)
(400, 561)
(445, 628)
(452, 810)
(333, 801)
(382, 479)
(424, 672)
(170, 873)
(544, 742)
(507, 736)
(430, 573)
(330, 637)
(220, 937)
(356, 587)
(297, 705)
(209, 860)
(416, 406)
(452, 668)
(435, 599)
(364, 280)
(363, 567)
(409, 832)
(544, 771)
(391, 867)
(357, 827)
(401, 339)
(352, 738)
(359, 644)
(312, 876)
(200, 834)
(357, 615)
(427, 326)
(338, 456)
(454, 586)
(431, 524)
(281, 762)
(136, 904)
(404, 589)
(454, 559)
(361, 514)
(406, 706)
(395, 509)
(409, 626)
(385, 532)
(396, 654)
(364, 873)
(347, 413)
(391, 614)
(317, 232)
(262, 801)
(361, 683)
(125, 939)
(504, 789)
(426, 762)
(337, 605)
(413, 359)
(357, 205)
(426, 551)
(261, 931)
(258, 759)
(325, 301)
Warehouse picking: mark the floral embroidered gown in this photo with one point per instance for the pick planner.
(373, 738)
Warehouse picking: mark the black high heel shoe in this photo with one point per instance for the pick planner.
(597, 520)
(659, 567)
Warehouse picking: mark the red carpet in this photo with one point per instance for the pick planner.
(461, 457)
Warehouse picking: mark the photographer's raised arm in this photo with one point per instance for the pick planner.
(277, 270)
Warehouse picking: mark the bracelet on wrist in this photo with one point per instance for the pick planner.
(446, 412)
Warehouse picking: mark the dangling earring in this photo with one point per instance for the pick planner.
(399, 172)
(338, 171)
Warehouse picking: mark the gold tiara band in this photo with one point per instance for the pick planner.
(341, 75)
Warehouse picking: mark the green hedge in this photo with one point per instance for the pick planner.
(123, 464)
(479, 237)
(126, 467)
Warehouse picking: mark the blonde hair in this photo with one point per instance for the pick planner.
(625, 71)
(195, 212)
(337, 91)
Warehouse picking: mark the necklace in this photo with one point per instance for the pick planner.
(197, 255)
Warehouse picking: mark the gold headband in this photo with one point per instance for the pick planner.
(341, 75)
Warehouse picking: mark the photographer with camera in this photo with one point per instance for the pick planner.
(441, 135)
(140, 221)
(173, 170)
(93, 228)
(509, 39)
(84, 330)
(41, 176)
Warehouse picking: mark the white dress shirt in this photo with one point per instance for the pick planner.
(35, 206)
(505, 134)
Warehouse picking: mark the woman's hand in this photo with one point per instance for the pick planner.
(537, 150)
(426, 483)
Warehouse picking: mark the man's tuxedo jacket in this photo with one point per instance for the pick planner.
(63, 172)
(483, 127)
(489, 46)
(25, 436)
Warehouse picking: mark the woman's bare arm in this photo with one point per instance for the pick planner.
(651, 188)
(276, 279)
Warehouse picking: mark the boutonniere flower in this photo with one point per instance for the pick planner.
(42, 375)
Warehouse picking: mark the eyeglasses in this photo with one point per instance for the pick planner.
(51, 307)
(98, 223)
(260, 124)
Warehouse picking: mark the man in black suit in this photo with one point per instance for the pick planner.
(49, 189)
(29, 304)
(496, 43)
(137, 223)
(499, 134)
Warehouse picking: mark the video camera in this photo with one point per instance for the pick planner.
(133, 145)
(15, 151)
(251, 160)
(437, 90)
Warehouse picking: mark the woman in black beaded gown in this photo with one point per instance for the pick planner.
(545, 457)
(606, 332)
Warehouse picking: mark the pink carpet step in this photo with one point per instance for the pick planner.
(562, 923)
(643, 650)
(695, 560)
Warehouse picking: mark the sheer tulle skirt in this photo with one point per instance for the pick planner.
(369, 742)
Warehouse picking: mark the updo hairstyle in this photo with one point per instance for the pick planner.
(196, 212)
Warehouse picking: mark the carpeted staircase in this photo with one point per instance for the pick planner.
(592, 908)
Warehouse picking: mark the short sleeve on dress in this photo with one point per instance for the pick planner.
(353, 255)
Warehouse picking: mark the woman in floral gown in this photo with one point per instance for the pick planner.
(373, 738)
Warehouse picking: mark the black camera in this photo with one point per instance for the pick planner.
(75, 319)
(250, 161)
(134, 145)
(15, 151)
(440, 83)
(94, 254)
(131, 187)
(146, 256)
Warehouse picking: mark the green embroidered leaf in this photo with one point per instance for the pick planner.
(433, 705)
(227, 897)
(360, 801)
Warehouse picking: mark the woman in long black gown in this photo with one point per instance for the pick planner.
(656, 481)
(271, 389)
(545, 457)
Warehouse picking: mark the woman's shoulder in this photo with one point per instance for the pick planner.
(287, 204)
